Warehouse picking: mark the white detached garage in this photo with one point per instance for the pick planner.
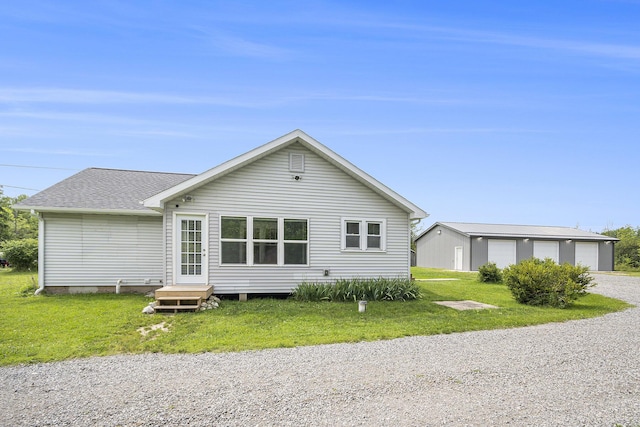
(467, 246)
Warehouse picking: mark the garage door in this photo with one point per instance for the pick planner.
(502, 252)
(544, 249)
(587, 254)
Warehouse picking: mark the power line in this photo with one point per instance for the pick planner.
(20, 188)
(38, 167)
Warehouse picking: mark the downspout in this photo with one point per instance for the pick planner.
(41, 266)
(118, 283)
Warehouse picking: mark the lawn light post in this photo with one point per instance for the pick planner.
(362, 306)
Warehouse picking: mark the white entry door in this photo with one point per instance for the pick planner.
(457, 260)
(191, 250)
(502, 252)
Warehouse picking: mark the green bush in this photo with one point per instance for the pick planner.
(543, 282)
(489, 273)
(22, 254)
(375, 289)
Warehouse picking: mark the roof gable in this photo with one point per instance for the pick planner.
(157, 201)
(522, 231)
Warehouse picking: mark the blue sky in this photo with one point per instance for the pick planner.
(479, 111)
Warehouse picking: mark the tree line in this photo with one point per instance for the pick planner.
(627, 250)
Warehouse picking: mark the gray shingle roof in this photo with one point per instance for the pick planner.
(522, 231)
(96, 189)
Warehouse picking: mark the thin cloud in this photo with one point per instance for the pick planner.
(406, 131)
(241, 47)
(88, 96)
(60, 152)
(590, 48)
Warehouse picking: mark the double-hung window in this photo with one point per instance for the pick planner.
(363, 234)
(233, 240)
(263, 241)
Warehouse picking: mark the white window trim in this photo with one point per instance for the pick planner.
(364, 234)
(250, 241)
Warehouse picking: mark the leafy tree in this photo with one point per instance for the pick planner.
(627, 250)
(14, 224)
(22, 254)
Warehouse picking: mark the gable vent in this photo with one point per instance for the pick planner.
(296, 162)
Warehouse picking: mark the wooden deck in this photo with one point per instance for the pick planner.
(181, 298)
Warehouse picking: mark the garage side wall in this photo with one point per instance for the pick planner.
(479, 252)
(524, 249)
(567, 252)
(605, 256)
(437, 250)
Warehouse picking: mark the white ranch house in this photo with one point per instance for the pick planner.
(289, 211)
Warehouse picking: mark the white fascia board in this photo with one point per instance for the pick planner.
(89, 211)
(157, 202)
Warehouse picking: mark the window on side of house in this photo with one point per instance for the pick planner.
(264, 241)
(296, 241)
(363, 234)
(233, 240)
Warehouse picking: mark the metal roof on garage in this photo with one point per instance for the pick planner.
(521, 231)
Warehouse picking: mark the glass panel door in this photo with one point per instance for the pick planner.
(191, 262)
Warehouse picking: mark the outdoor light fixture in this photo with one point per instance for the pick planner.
(187, 198)
(439, 231)
(526, 240)
(568, 240)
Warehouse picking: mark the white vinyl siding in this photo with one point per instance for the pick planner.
(546, 249)
(325, 196)
(99, 250)
(587, 254)
(502, 252)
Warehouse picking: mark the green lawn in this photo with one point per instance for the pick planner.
(56, 327)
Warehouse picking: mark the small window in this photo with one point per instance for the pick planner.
(296, 162)
(363, 234)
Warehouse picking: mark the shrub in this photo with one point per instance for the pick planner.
(375, 289)
(489, 273)
(543, 282)
(21, 254)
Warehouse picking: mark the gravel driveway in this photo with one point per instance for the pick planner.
(579, 373)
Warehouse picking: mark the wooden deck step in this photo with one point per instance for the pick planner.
(202, 291)
(178, 303)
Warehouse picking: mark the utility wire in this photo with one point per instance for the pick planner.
(37, 167)
(20, 188)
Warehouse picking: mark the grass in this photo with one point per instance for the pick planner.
(48, 328)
